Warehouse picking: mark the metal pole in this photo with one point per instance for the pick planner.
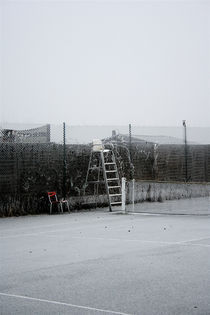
(64, 160)
(123, 193)
(130, 150)
(133, 193)
(186, 153)
(48, 132)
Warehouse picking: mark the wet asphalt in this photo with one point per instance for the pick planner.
(96, 262)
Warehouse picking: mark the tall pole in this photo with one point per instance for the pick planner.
(185, 149)
(64, 160)
(130, 150)
(133, 193)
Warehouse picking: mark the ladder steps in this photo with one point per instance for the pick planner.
(103, 162)
(113, 187)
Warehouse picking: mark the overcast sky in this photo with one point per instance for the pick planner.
(105, 62)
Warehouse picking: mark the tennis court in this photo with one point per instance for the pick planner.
(96, 262)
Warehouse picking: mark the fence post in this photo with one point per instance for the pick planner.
(130, 151)
(48, 133)
(123, 194)
(64, 160)
(133, 193)
(186, 151)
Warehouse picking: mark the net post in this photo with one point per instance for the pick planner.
(123, 194)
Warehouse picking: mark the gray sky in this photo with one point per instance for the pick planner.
(105, 62)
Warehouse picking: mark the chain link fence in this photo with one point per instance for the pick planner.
(35, 159)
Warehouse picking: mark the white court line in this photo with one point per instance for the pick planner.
(197, 239)
(58, 230)
(201, 245)
(47, 232)
(50, 232)
(62, 303)
(45, 225)
(170, 214)
(34, 227)
(146, 241)
(145, 213)
(111, 239)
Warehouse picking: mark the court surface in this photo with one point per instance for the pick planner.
(96, 262)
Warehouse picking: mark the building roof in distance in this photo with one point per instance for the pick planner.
(158, 139)
(144, 139)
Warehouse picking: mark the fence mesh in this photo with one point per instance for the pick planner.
(35, 159)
